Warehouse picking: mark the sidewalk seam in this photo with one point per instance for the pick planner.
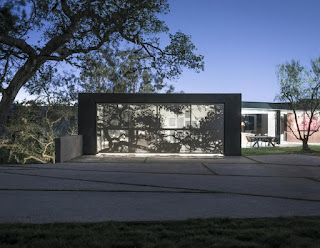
(209, 169)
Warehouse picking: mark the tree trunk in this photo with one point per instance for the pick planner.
(305, 146)
(5, 104)
(21, 77)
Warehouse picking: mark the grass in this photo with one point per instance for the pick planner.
(215, 232)
(279, 150)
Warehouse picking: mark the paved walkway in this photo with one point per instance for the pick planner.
(157, 188)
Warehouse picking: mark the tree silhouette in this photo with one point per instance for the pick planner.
(141, 128)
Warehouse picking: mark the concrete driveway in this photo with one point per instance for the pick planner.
(137, 188)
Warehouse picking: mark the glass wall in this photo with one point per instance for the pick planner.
(160, 128)
(257, 122)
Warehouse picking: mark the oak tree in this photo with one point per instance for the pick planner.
(127, 71)
(35, 32)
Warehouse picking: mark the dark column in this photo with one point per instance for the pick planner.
(278, 124)
(232, 125)
(87, 123)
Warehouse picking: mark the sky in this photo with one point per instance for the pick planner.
(243, 41)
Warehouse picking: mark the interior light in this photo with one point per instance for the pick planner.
(159, 155)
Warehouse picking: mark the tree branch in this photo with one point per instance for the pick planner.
(65, 8)
(18, 43)
(4, 74)
(293, 132)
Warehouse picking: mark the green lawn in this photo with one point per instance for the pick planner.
(216, 232)
(279, 150)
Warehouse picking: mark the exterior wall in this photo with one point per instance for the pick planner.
(272, 123)
(314, 138)
(232, 114)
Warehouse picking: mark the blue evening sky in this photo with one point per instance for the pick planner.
(243, 41)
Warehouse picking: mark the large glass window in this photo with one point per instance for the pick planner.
(160, 128)
(258, 124)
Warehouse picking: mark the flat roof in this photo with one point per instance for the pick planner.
(266, 105)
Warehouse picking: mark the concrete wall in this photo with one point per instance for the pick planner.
(68, 147)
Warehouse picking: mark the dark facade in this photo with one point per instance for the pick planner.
(160, 123)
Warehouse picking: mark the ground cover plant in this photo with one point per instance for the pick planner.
(33, 126)
(280, 150)
(214, 232)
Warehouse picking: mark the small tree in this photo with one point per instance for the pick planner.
(300, 87)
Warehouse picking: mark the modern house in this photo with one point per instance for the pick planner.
(182, 123)
(179, 124)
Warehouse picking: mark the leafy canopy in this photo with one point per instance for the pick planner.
(34, 32)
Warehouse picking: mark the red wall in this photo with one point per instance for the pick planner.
(314, 138)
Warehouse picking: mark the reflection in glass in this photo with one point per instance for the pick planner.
(173, 115)
(207, 116)
(143, 116)
(113, 141)
(160, 128)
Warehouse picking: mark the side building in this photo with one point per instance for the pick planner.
(274, 120)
